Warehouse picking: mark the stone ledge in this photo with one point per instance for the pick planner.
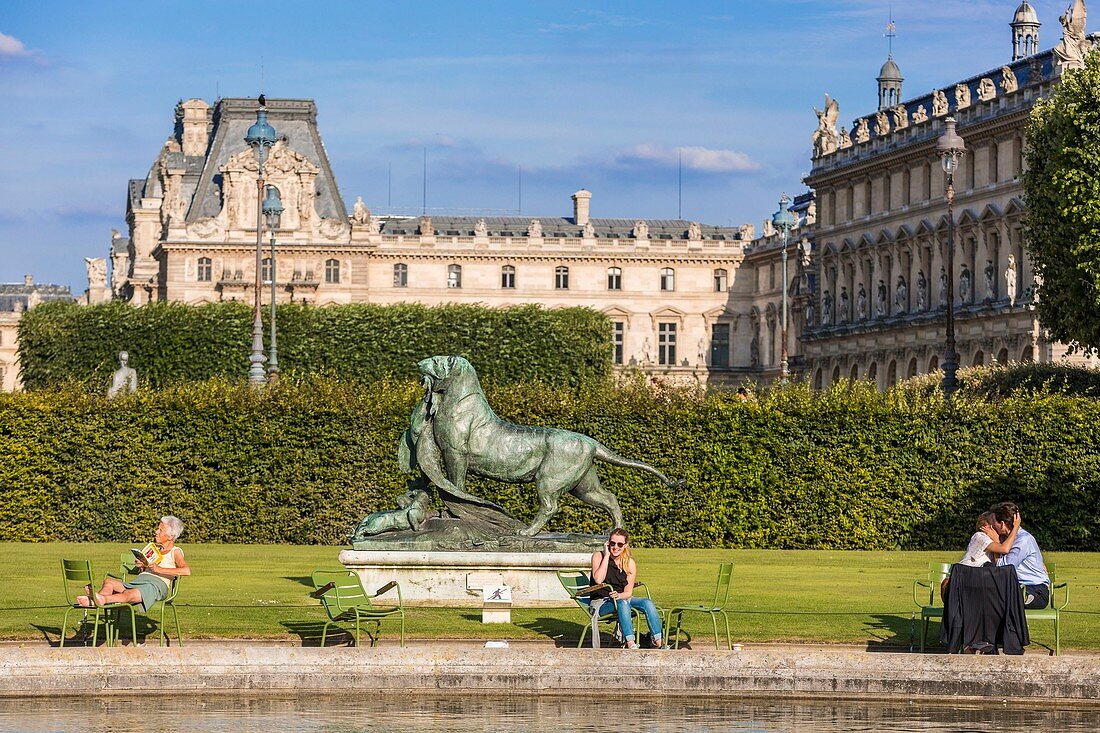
(827, 672)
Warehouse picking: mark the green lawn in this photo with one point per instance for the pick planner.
(804, 596)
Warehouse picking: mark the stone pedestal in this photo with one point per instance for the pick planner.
(457, 578)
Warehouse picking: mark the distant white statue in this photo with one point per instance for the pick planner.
(702, 354)
(990, 280)
(426, 228)
(588, 231)
(920, 115)
(360, 213)
(939, 103)
(641, 229)
(97, 272)
(845, 138)
(964, 284)
(901, 295)
(826, 308)
(901, 117)
(962, 96)
(647, 352)
(534, 229)
(824, 138)
(1008, 80)
(862, 130)
(481, 229)
(695, 231)
(1010, 280)
(987, 90)
(922, 291)
(882, 124)
(125, 379)
(861, 304)
(842, 314)
(1070, 51)
(880, 300)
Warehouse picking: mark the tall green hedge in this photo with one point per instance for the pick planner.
(170, 343)
(302, 463)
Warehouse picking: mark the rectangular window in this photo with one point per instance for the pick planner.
(618, 331)
(721, 283)
(508, 277)
(614, 278)
(454, 276)
(720, 346)
(561, 278)
(771, 276)
(400, 275)
(666, 344)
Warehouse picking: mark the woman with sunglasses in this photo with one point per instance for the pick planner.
(615, 566)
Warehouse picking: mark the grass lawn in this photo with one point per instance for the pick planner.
(255, 591)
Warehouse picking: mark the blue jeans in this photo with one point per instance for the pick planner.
(645, 605)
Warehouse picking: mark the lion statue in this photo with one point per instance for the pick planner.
(454, 432)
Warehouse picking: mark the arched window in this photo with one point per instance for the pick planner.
(454, 276)
(206, 269)
(721, 280)
(1002, 357)
(979, 358)
(912, 371)
(508, 277)
(561, 277)
(933, 364)
(668, 278)
(854, 374)
(400, 275)
(614, 278)
(332, 271)
(892, 374)
(265, 270)
(836, 374)
(817, 378)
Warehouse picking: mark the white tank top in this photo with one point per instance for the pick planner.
(168, 561)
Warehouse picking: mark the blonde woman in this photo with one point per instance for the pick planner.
(615, 566)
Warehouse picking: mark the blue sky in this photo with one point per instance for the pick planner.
(595, 95)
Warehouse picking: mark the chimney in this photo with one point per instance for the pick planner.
(28, 280)
(581, 200)
(195, 119)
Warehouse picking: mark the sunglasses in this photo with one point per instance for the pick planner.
(616, 544)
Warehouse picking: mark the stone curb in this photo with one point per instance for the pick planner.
(831, 673)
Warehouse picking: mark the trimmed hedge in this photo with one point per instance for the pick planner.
(171, 343)
(1001, 380)
(302, 463)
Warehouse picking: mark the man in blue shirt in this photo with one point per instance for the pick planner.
(1025, 555)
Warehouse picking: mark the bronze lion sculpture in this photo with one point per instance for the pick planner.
(454, 432)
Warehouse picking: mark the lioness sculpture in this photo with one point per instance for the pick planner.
(471, 439)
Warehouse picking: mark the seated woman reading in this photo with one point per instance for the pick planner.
(155, 579)
(615, 566)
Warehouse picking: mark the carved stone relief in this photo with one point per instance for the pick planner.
(863, 130)
(939, 103)
(962, 96)
(882, 124)
(1008, 80)
(920, 115)
(901, 117)
(987, 90)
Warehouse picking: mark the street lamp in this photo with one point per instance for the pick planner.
(260, 136)
(273, 211)
(784, 222)
(951, 149)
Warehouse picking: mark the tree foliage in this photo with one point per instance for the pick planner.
(1062, 192)
(171, 343)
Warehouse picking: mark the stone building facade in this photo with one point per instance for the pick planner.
(881, 226)
(682, 304)
(15, 300)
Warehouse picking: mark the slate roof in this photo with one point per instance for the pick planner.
(553, 226)
(294, 120)
(12, 294)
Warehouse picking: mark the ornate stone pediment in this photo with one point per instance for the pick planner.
(290, 172)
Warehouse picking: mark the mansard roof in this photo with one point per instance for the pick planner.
(13, 294)
(295, 122)
(554, 226)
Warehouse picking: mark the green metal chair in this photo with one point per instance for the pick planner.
(937, 571)
(577, 585)
(344, 600)
(76, 575)
(127, 569)
(714, 610)
(1053, 612)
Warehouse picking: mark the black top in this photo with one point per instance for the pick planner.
(616, 578)
(984, 605)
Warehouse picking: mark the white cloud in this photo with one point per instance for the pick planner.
(11, 47)
(707, 160)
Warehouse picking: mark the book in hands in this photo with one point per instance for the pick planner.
(149, 555)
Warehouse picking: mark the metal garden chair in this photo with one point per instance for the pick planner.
(344, 600)
(714, 610)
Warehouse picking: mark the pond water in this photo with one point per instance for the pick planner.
(191, 713)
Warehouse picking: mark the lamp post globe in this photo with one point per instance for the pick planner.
(272, 209)
(260, 136)
(783, 221)
(951, 148)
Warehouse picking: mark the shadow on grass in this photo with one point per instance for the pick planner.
(309, 633)
(300, 579)
(563, 633)
(890, 633)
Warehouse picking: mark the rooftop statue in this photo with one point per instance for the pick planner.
(1070, 52)
(824, 137)
(454, 433)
